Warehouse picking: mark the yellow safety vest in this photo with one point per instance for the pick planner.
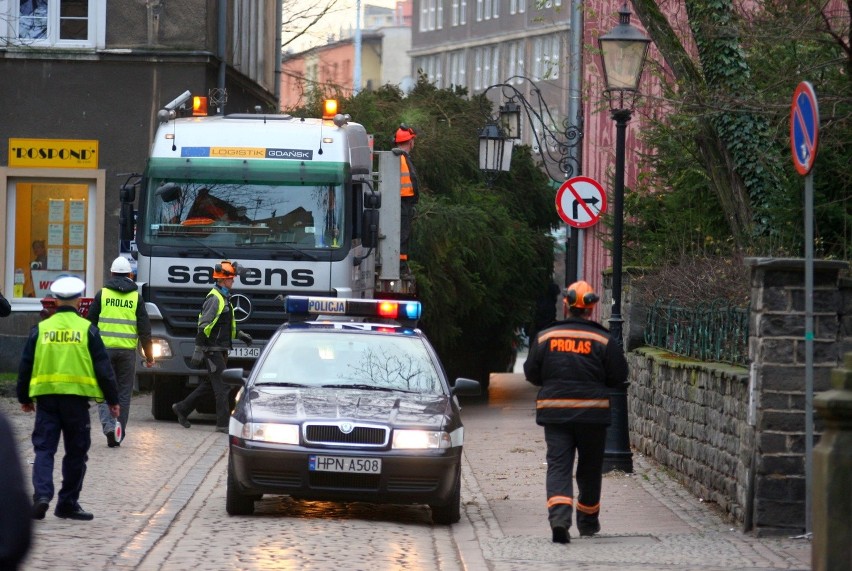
(221, 305)
(117, 320)
(62, 363)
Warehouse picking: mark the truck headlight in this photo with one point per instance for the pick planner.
(271, 432)
(420, 439)
(161, 348)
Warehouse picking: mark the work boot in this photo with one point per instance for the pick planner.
(180, 416)
(111, 441)
(40, 507)
(589, 529)
(560, 534)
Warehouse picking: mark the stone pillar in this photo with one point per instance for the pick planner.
(777, 382)
(832, 492)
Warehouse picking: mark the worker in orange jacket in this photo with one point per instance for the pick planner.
(409, 190)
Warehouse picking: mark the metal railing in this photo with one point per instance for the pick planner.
(714, 331)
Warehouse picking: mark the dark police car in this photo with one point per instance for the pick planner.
(348, 402)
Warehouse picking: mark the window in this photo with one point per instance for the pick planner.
(486, 62)
(51, 224)
(431, 15)
(462, 12)
(479, 10)
(546, 57)
(57, 23)
(515, 60)
(454, 18)
(517, 6)
(431, 66)
(457, 69)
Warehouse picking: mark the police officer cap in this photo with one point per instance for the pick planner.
(68, 287)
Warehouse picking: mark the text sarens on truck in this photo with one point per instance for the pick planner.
(295, 201)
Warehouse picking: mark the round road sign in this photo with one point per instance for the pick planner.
(580, 201)
(804, 127)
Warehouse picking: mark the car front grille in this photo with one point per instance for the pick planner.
(359, 435)
(339, 481)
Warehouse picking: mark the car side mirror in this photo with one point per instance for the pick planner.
(466, 387)
(234, 377)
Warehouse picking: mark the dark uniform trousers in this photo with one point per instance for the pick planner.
(211, 384)
(68, 414)
(590, 442)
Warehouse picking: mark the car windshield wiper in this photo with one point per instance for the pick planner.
(281, 384)
(365, 387)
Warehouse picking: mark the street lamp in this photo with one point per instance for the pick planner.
(555, 146)
(495, 151)
(623, 51)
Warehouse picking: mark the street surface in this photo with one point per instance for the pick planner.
(159, 503)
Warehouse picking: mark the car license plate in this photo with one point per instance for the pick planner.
(344, 464)
(244, 352)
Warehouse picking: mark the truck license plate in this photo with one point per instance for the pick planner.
(344, 464)
(244, 352)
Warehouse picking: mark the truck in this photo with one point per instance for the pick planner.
(296, 202)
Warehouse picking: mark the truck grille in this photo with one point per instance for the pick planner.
(331, 434)
(180, 310)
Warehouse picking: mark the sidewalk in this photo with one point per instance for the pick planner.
(648, 520)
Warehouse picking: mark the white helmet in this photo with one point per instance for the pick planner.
(120, 265)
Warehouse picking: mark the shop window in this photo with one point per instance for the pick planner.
(51, 230)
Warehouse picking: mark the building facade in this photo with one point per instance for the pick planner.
(330, 68)
(82, 83)
(482, 43)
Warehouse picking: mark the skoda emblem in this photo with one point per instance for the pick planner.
(242, 307)
(346, 427)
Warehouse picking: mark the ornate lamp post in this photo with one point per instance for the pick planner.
(623, 51)
(555, 146)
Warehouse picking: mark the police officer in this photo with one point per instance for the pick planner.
(216, 330)
(119, 313)
(63, 365)
(575, 362)
(409, 190)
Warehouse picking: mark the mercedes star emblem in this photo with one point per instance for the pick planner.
(242, 307)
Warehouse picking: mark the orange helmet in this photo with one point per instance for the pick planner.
(581, 295)
(404, 134)
(225, 270)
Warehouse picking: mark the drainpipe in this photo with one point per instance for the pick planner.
(279, 23)
(222, 25)
(356, 80)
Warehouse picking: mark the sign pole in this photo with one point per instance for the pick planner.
(804, 137)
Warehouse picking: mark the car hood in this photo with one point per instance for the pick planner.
(274, 404)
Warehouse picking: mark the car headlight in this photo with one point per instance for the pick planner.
(420, 439)
(161, 348)
(271, 432)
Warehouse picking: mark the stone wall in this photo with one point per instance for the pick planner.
(736, 436)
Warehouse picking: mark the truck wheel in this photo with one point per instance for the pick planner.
(450, 512)
(235, 502)
(166, 392)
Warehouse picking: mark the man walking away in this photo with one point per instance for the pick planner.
(63, 365)
(119, 313)
(216, 330)
(575, 362)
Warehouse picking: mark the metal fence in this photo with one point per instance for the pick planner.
(713, 331)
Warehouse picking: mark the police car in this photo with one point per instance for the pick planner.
(347, 402)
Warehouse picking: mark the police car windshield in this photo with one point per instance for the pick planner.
(242, 214)
(353, 360)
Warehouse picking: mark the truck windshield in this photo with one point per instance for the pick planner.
(236, 214)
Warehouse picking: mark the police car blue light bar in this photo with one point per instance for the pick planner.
(398, 310)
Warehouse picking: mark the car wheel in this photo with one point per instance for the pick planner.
(235, 502)
(450, 512)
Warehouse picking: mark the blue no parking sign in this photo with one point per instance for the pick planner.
(804, 128)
